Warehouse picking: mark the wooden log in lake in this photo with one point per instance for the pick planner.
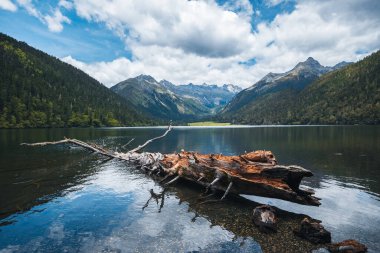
(253, 173)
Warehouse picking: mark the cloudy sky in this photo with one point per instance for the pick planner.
(184, 41)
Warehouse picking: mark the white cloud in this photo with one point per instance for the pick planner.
(242, 7)
(65, 4)
(330, 31)
(108, 72)
(199, 41)
(8, 5)
(170, 64)
(196, 27)
(30, 8)
(55, 21)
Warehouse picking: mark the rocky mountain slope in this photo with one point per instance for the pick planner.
(312, 94)
(296, 79)
(164, 100)
(211, 96)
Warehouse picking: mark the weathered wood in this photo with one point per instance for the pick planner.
(253, 173)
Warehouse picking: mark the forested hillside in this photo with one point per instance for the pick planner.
(296, 79)
(347, 96)
(350, 95)
(38, 90)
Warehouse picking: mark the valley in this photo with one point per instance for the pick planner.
(41, 91)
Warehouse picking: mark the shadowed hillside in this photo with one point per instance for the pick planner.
(38, 90)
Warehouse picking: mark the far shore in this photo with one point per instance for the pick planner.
(188, 125)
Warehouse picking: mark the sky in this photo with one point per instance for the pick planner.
(183, 41)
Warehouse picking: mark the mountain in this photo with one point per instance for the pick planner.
(211, 96)
(164, 100)
(154, 99)
(350, 95)
(38, 90)
(340, 65)
(296, 79)
(343, 94)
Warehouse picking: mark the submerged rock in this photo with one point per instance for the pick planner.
(313, 231)
(320, 250)
(347, 246)
(265, 218)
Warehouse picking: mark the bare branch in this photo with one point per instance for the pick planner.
(228, 189)
(172, 181)
(129, 142)
(166, 177)
(149, 141)
(85, 145)
(45, 143)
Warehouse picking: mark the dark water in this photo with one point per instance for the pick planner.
(61, 199)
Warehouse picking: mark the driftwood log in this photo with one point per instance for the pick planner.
(253, 173)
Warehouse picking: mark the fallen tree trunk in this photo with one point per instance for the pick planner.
(254, 173)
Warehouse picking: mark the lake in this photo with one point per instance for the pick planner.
(64, 199)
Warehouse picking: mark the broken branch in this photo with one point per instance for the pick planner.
(149, 141)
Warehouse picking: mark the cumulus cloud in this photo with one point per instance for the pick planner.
(243, 8)
(56, 20)
(65, 4)
(330, 31)
(8, 5)
(197, 27)
(30, 8)
(108, 72)
(200, 41)
(166, 63)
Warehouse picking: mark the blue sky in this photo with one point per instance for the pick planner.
(209, 41)
(86, 41)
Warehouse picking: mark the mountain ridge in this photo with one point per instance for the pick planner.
(211, 95)
(347, 94)
(301, 75)
(38, 90)
(165, 100)
(151, 98)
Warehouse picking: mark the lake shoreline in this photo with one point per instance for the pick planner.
(187, 126)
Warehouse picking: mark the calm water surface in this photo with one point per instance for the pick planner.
(61, 199)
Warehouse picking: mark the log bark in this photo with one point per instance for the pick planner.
(253, 173)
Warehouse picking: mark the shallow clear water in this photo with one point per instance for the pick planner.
(56, 199)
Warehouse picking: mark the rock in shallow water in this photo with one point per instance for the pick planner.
(320, 250)
(313, 231)
(265, 218)
(347, 246)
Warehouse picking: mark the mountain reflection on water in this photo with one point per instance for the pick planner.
(65, 199)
